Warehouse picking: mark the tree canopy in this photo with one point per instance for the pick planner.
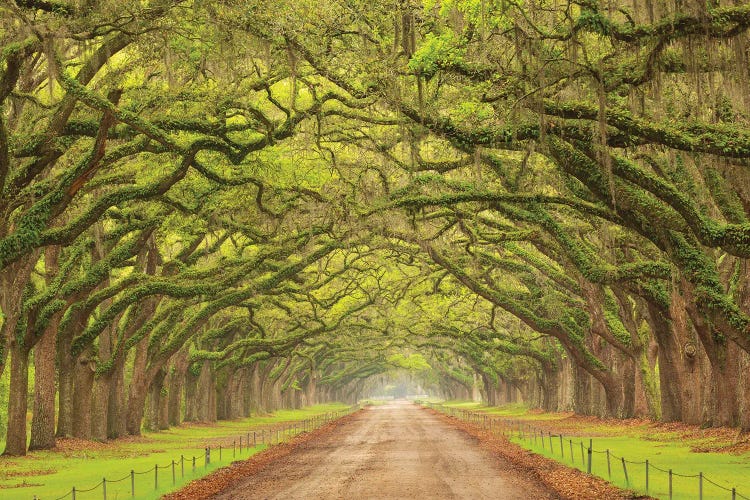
(212, 208)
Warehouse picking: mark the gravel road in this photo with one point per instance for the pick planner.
(393, 451)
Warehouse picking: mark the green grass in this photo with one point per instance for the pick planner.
(636, 442)
(52, 474)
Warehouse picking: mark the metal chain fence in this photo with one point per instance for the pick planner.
(267, 435)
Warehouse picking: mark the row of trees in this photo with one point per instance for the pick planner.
(209, 210)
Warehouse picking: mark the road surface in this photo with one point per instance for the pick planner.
(393, 451)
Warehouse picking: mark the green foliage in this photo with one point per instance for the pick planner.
(436, 51)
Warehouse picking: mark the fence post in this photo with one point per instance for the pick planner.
(174, 478)
(647, 476)
(240, 445)
(562, 448)
(234, 448)
(193, 464)
(572, 455)
(156, 477)
(104, 487)
(247, 442)
(734, 493)
(220, 451)
(625, 470)
(591, 452)
(182, 465)
(609, 467)
(207, 458)
(700, 486)
(670, 484)
(253, 439)
(132, 483)
(73, 493)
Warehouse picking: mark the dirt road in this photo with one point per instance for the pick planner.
(392, 451)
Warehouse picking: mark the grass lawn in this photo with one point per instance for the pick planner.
(720, 454)
(52, 474)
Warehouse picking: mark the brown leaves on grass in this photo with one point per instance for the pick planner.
(74, 445)
(711, 439)
(19, 485)
(7, 474)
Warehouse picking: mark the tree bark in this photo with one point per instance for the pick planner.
(138, 390)
(117, 402)
(550, 383)
(15, 440)
(100, 395)
(83, 388)
(191, 401)
(154, 402)
(206, 394)
(176, 384)
(13, 280)
(43, 419)
(66, 364)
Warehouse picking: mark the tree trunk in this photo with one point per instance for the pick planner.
(206, 394)
(236, 389)
(721, 407)
(15, 440)
(138, 390)
(153, 402)
(102, 385)
(100, 395)
(743, 296)
(163, 413)
(628, 377)
(223, 394)
(117, 402)
(670, 376)
(582, 391)
(256, 389)
(489, 390)
(311, 396)
(66, 364)
(83, 388)
(176, 384)
(136, 407)
(13, 280)
(43, 420)
(550, 383)
(191, 400)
